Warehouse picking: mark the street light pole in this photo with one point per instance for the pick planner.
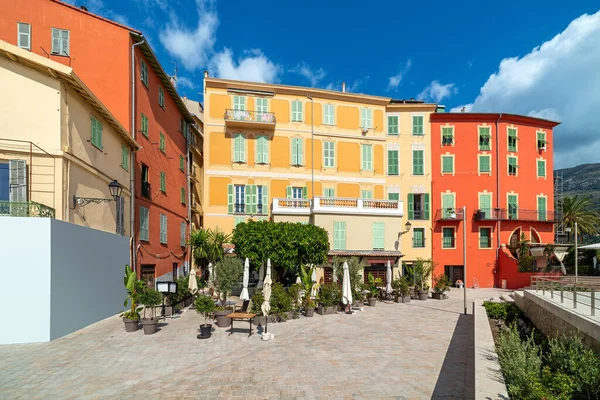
(465, 257)
(576, 253)
(312, 144)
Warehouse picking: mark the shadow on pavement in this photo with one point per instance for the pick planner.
(457, 376)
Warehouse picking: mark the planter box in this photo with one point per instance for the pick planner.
(327, 310)
(397, 299)
(438, 296)
(358, 303)
(272, 319)
(406, 299)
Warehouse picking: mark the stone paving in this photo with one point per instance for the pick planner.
(419, 350)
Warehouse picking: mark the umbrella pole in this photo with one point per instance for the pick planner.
(266, 323)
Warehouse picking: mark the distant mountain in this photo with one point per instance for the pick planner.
(583, 179)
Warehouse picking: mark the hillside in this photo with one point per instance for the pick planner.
(583, 179)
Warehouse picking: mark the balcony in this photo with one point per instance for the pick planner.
(335, 205)
(291, 206)
(25, 209)
(146, 190)
(503, 214)
(246, 119)
(193, 174)
(447, 214)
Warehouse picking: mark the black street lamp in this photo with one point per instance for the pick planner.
(115, 189)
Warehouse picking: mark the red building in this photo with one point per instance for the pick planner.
(119, 66)
(500, 167)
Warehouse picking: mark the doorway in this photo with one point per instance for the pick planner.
(147, 275)
(454, 273)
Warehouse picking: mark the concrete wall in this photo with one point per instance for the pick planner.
(62, 277)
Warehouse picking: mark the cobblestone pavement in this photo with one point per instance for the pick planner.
(419, 350)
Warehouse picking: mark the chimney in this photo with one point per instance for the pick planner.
(440, 108)
(84, 8)
(343, 87)
(205, 73)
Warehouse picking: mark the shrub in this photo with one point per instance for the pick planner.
(294, 293)
(507, 312)
(442, 284)
(329, 295)
(257, 300)
(355, 271)
(150, 298)
(204, 305)
(280, 300)
(229, 273)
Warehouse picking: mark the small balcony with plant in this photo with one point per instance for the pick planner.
(248, 118)
(25, 209)
(449, 214)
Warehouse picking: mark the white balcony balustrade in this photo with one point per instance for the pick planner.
(335, 205)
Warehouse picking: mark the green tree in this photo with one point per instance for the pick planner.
(355, 271)
(229, 273)
(207, 245)
(581, 210)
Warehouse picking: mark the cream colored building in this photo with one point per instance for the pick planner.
(196, 162)
(58, 141)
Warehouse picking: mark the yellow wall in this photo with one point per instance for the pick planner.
(218, 104)
(220, 148)
(217, 187)
(348, 159)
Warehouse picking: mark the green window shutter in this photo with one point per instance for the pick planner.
(366, 195)
(262, 148)
(248, 205)
(485, 204)
(342, 235)
(512, 165)
(393, 125)
(378, 236)
(265, 199)
(253, 206)
(182, 195)
(242, 148)
(181, 162)
(418, 125)
(418, 162)
(484, 138)
(541, 168)
(294, 152)
(236, 148)
(367, 157)
(162, 142)
(513, 206)
(447, 164)
(447, 203)
(125, 157)
(512, 140)
(336, 235)
(411, 206)
(230, 199)
(484, 164)
(144, 216)
(305, 192)
(288, 192)
(426, 205)
(393, 196)
(163, 182)
(393, 162)
(300, 143)
(329, 192)
(239, 103)
(541, 208)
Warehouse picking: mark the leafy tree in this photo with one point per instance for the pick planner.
(207, 245)
(581, 210)
(422, 270)
(229, 273)
(355, 271)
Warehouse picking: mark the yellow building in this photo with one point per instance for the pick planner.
(196, 162)
(59, 145)
(258, 164)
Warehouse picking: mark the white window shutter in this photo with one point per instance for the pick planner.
(65, 50)
(55, 41)
(18, 181)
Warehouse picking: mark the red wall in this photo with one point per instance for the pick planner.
(466, 183)
(509, 271)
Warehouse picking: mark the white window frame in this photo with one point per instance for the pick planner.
(28, 34)
(300, 113)
(369, 167)
(328, 160)
(366, 118)
(60, 51)
(239, 192)
(328, 117)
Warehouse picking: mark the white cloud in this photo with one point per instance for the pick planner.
(436, 92)
(192, 47)
(253, 66)
(314, 76)
(557, 80)
(394, 81)
(185, 83)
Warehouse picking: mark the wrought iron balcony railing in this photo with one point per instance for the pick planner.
(255, 117)
(26, 209)
(516, 214)
(449, 214)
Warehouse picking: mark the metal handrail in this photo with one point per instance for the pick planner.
(580, 287)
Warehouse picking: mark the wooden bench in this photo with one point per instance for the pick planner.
(241, 316)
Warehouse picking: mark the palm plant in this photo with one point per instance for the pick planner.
(207, 245)
(581, 210)
(307, 283)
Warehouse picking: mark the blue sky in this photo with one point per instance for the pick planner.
(530, 57)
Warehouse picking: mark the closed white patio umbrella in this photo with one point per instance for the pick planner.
(388, 286)
(261, 276)
(298, 280)
(346, 288)
(244, 295)
(192, 284)
(266, 306)
(313, 278)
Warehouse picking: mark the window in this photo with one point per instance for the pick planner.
(513, 206)
(262, 197)
(236, 199)
(367, 157)
(163, 229)
(418, 206)
(328, 114)
(239, 103)
(144, 223)
(366, 118)
(417, 125)
(393, 125)
(339, 235)
(239, 148)
(261, 107)
(418, 162)
(144, 72)
(485, 238)
(447, 164)
(448, 238)
(512, 166)
(24, 35)
(378, 235)
(125, 157)
(162, 143)
(182, 235)
(447, 136)
(484, 138)
(120, 208)
(146, 192)
(541, 140)
(485, 205)
(238, 220)
(297, 151)
(96, 133)
(541, 168)
(393, 196)
(485, 163)
(60, 42)
(393, 167)
(541, 208)
(329, 154)
(161, 97)
(419, 237)
(163, 182)
(512, 139)
(182, 190)
(181, 125)
(366, 194)
(144, 123)
(448, 205)
(297, 111)
(181, 163)
(262, 150)
(297, 192)
(329, 192)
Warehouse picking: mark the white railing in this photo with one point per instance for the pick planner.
(291, 206)
(336, 205)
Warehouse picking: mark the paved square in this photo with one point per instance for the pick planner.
(419, 350)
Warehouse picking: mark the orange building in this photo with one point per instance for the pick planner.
(500, 167)
(109, 57)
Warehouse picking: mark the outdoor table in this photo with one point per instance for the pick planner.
(241, 316)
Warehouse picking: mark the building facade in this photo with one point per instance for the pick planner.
(67, 147)
(126, 76)
(196, 162)
(259, 164)
(500, 167)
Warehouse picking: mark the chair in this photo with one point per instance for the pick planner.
(244, 306)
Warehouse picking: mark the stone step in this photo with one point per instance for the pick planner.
(507, 298)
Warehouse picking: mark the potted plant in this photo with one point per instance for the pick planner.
(396, 290)
(373, 288)
(204, 305)
(404, 289)
(422, 270)
(281, 302)
(451, 213)
(329, 298)
(134, 287)
(256, 308)
(309, 307)
(442, 284)
(151, 299)
(307, 286)
(229, 272)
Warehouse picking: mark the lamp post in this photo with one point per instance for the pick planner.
(312, 144)
(465, 257)
(115, 189)
(576, 256)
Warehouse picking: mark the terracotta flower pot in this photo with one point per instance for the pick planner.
(130, 325)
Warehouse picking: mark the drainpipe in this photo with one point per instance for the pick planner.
(132, 164)
(498, 223)
(188, 160)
